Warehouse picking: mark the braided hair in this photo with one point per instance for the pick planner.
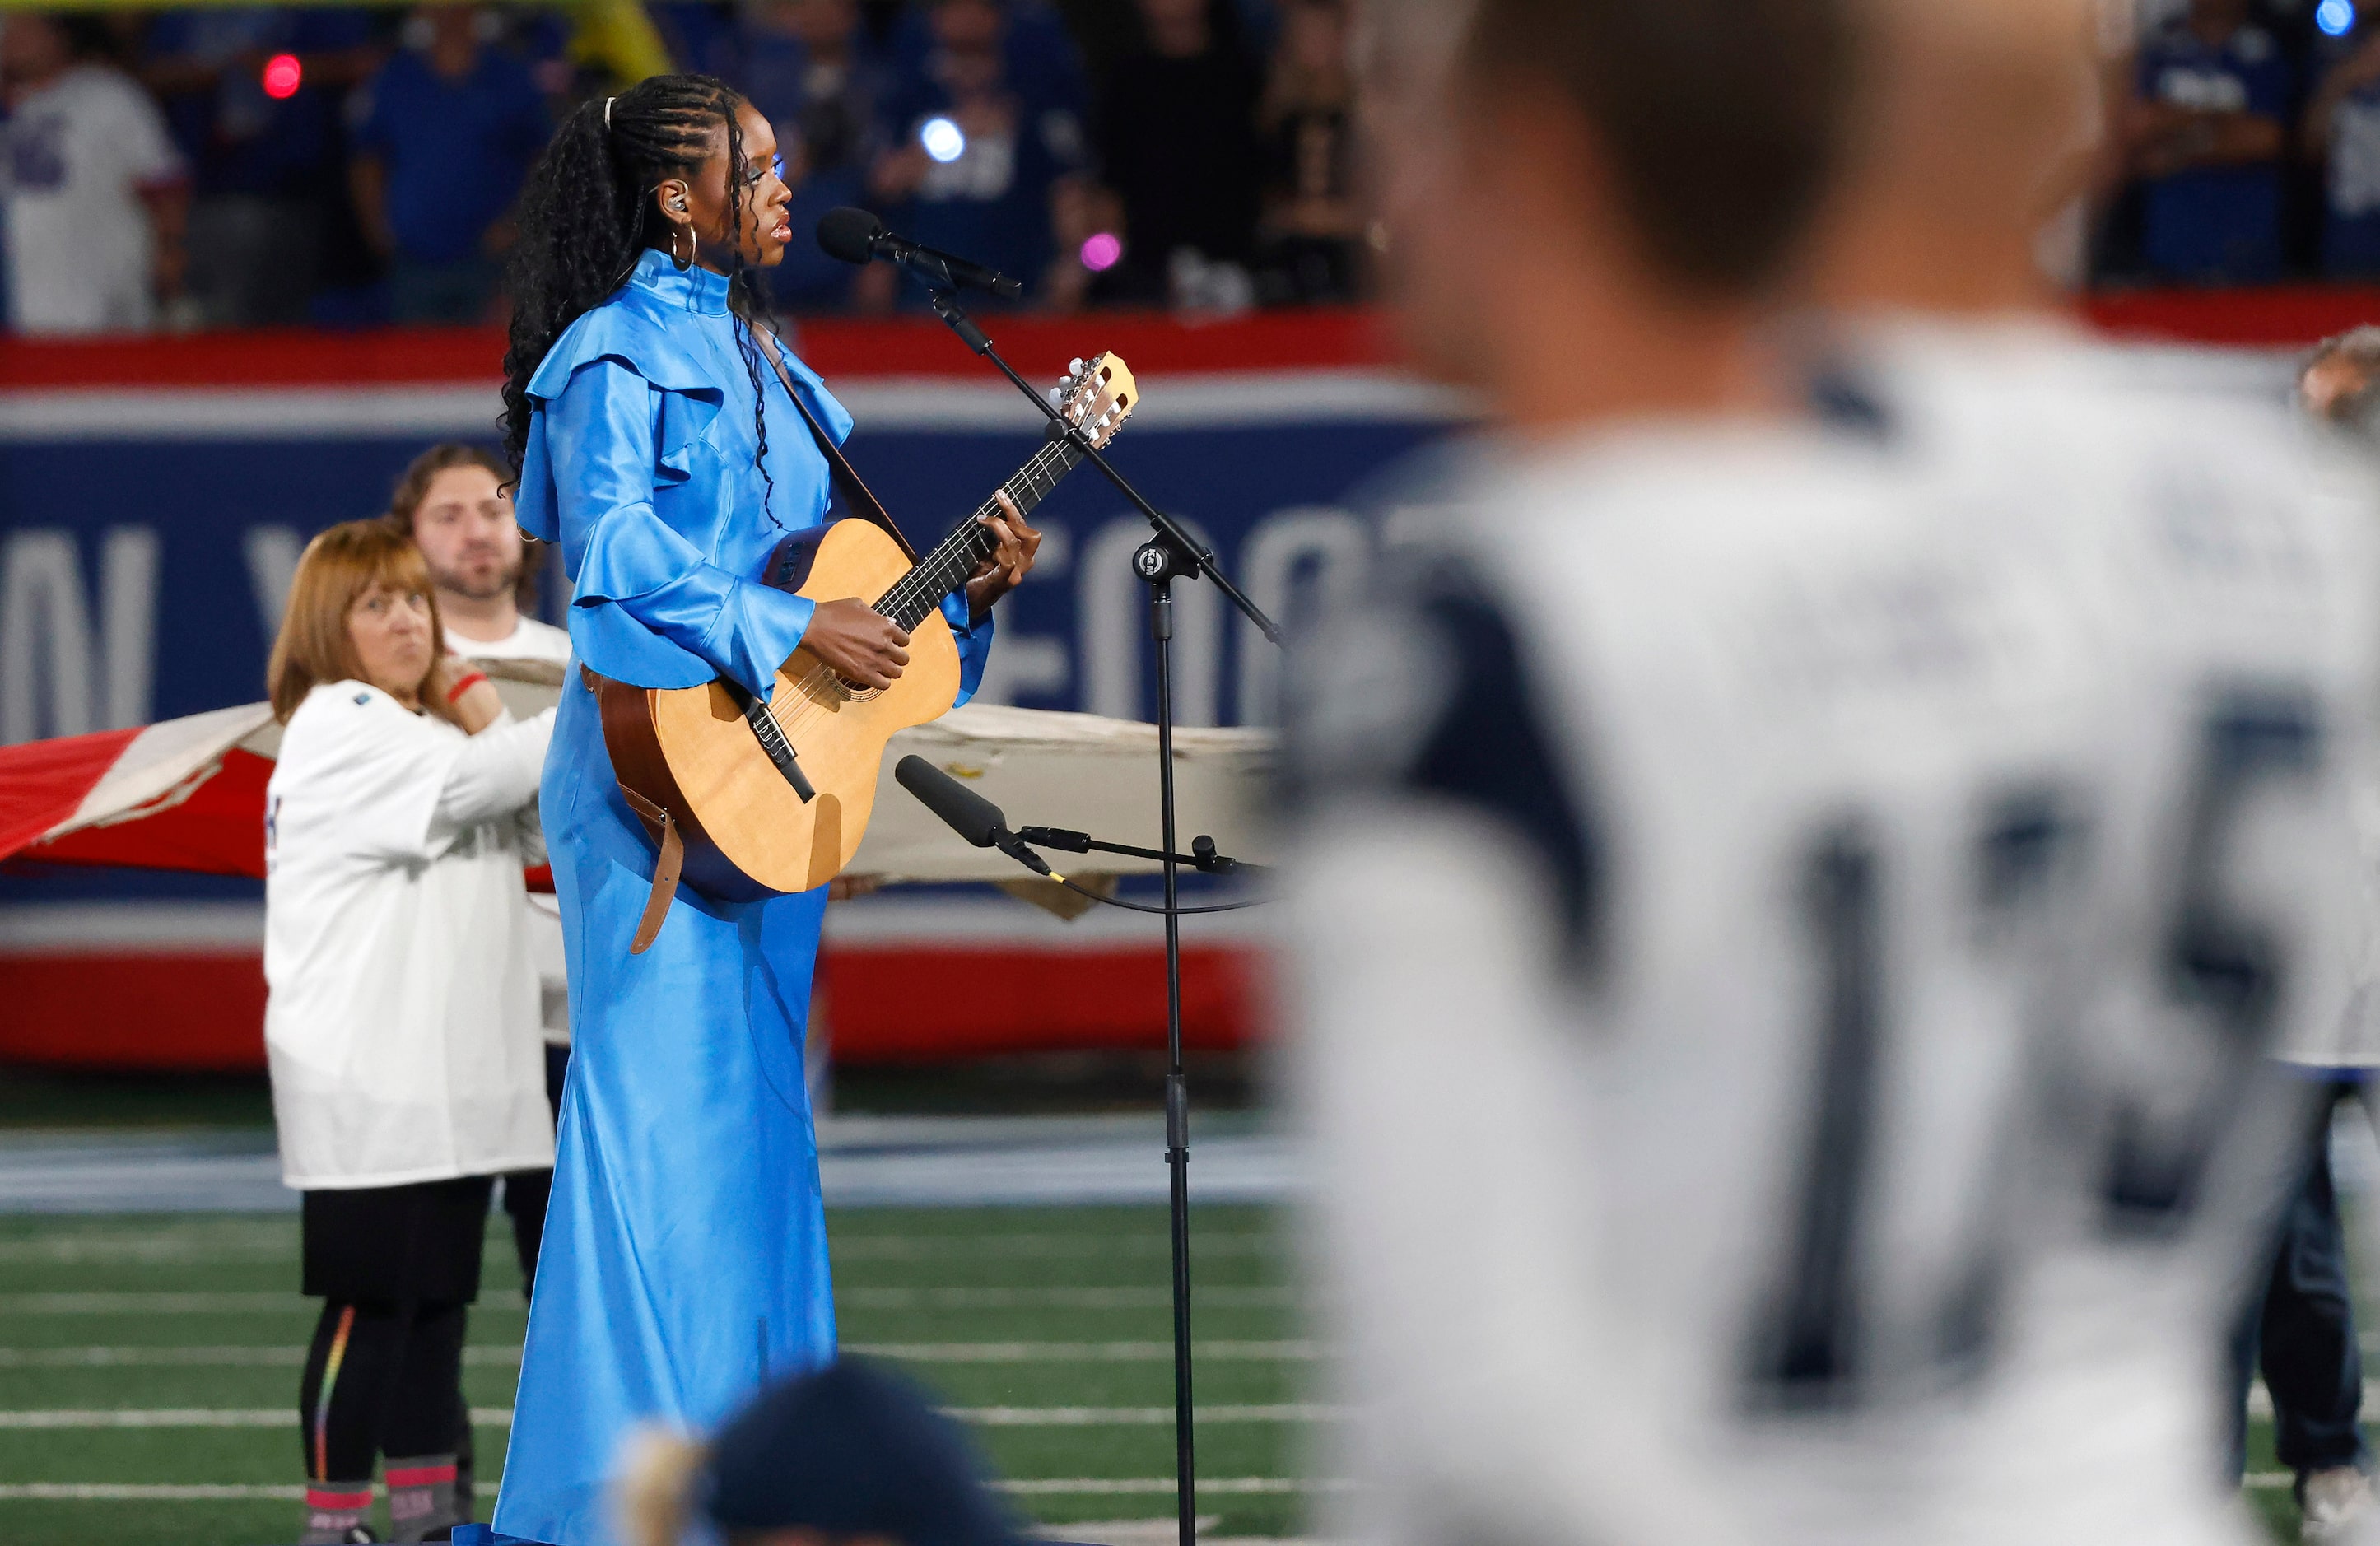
(587, 213)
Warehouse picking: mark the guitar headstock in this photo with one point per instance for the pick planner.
(1095, 397)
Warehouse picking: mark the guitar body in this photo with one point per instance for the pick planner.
(690, 751)
(722, 769)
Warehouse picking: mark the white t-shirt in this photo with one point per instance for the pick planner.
(402, 1021)
(531, 639)
(78, 155)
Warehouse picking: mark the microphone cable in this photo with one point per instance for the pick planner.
(1160, 911)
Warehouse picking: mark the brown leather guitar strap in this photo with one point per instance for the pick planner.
(666, 871)
(847, 481)
(671, 865)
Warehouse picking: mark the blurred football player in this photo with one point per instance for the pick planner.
(1677, 782)
(2227, 565)
(1694, 831)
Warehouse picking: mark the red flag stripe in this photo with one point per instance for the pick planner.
(43, 782)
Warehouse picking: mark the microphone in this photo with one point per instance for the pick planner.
(854, 235)
(966, 812)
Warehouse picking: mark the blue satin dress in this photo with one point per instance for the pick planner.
(685, 1262)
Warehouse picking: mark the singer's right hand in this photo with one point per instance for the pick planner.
(859, 643)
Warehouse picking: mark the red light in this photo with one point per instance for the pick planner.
(282, 76)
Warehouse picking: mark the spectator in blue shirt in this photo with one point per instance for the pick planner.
(1043, 63)
(2342, 134)
(974, 162)
(266, 166)
(2205, 136)
(809, 68)
(446, 136)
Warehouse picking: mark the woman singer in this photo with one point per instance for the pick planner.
(685, 1260)
(408, 1068)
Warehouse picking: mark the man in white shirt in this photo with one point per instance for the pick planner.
(452, 501)
(96, 198)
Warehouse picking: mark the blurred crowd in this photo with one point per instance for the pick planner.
(2249, 149)
(346, 167)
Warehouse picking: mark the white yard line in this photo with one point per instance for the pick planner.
(279, 1301)
(178, 1245)
(1209, 1486)
(501, 1416)
(1121, 1417)
(485, 1354)
(146, 1492)
(1057, 1298)
(194, 1417)
(92, 1492)
(920, 1248)
(275, 1301)
(1083, 1352)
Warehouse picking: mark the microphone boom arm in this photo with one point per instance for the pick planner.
(1190, 554)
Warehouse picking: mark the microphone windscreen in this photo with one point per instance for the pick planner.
(968, 813)
(849, 234)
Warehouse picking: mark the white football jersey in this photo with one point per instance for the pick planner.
(1701, 850)
(2227, 554)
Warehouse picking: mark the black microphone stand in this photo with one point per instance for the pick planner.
(1171, 554)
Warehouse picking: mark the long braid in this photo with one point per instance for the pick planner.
(587, 210)
(744, 306)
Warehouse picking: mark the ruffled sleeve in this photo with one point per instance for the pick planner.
(612, 427)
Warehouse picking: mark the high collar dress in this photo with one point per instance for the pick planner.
(685, 1262)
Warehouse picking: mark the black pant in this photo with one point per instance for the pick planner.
(2301, 1327)
(528, 1191)
(381, 1379)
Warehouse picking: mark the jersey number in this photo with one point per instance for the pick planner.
(2219, 966)
(1808, 1350)
(2223, 970)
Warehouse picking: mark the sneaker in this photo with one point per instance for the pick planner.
(2337, 1505)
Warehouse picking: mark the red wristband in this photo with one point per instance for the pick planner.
(455, 692)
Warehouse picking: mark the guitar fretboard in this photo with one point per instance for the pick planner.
(958, 555)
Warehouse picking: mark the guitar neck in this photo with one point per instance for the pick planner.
(958, 555)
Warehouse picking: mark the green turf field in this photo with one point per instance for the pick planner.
(1048, 1328)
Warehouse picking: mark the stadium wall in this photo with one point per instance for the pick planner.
(154, 494)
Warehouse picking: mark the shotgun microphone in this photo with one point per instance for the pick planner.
(854, 235)
(966, 812)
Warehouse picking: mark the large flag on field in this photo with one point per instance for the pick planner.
(189, 794)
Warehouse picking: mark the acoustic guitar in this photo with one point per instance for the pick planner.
(770, 795)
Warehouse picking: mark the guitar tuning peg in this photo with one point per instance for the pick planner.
(1057, 396)
(1076, 368)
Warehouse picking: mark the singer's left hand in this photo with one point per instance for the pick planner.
(1010, 564)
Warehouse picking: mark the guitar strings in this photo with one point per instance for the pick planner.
(1040, 475)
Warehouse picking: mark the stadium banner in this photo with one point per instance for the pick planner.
(154, 496)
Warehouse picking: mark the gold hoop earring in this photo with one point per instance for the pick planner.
(688, 261)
